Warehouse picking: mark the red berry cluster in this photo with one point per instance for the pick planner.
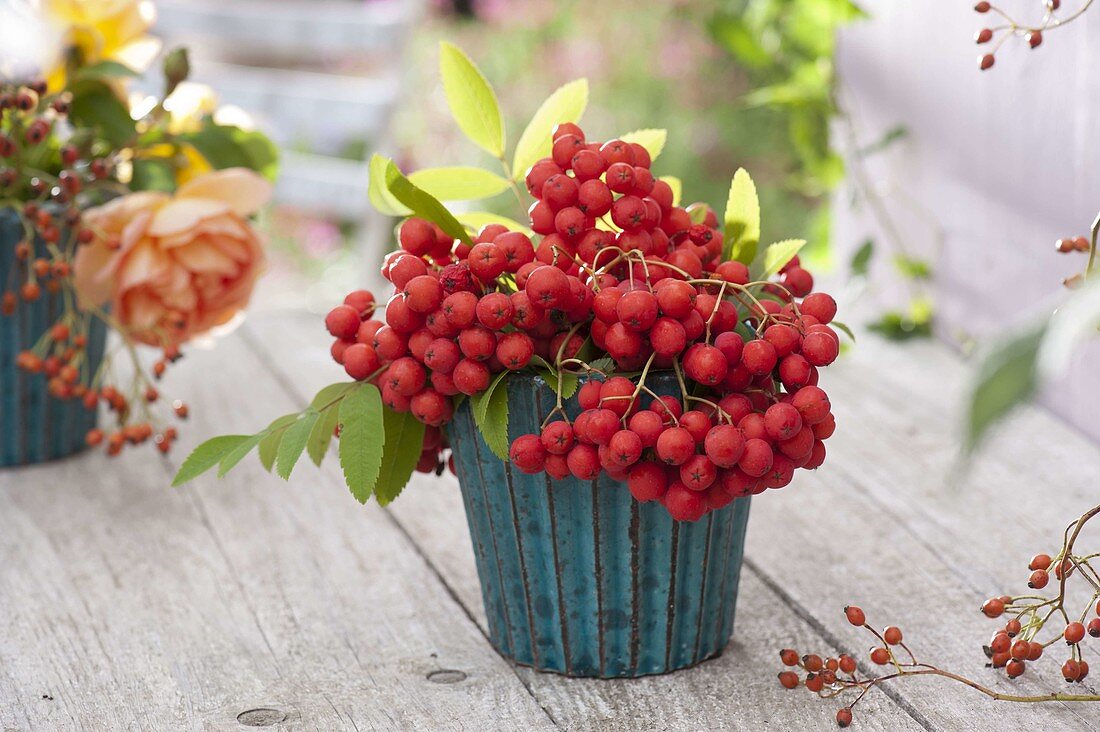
(620, 265)
(1013, 646)
(33, 128)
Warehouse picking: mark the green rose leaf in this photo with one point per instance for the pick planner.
(97, 106)
(361, 439)
(742, 219)
(404, 440)
(491, 416)
(653, 140)
(472, 101)
(420, 203)
(461, 183)
(294, 443)
(106, 70)
(206, 456)
(566, 104)
(225, 146)
(153, 175)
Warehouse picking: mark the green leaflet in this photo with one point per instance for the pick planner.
(206, 456)
(459, 183)
(566, 104)
(382, 200)
(472, 101)
(269, 445)
(361, 439)
(772, 259)
(237, 454)
(742, 219)
(404, 440)
(420, 203)
(491, 416)
(293, 443)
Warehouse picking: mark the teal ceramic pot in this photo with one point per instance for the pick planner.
(34, 426)
(580, 579)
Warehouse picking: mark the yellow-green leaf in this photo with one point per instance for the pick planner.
(422, 204)
(652, 140)
(380, 197)
(677, 187)
(460, 183)
(742, 219)
(475, 220)
(472, 101)
(566, 104)
(772, 259)
(362, 438)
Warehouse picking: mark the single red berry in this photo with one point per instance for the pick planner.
(892, 635)
(584, 462)
(684, 504)
(705, 364)
(855, 615)
(698, 472)
(789, 679)
(880, 656)
(819, 349)
(1040, 561)
(993, 607)
(1094, 627)
(515, 350)
(1038, 579)
(647, 481)
(417, 236)
(547, 287)
(471, 377)
(360, 361)
(986, 62)
(625, 447)
(724, 445)
(843, 717)
(675, 446)
(343, 322)
(759, 357)
(782, 421)
(1074, 633)
(423, 294)
(527, 454)
(637, 310)
(757, 458)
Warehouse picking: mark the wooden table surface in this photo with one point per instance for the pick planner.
(245, 602)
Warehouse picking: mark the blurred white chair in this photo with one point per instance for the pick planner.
(321, 77)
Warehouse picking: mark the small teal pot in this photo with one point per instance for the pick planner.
(580, 579)
(35, 427)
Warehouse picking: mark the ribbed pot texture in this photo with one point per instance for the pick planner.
(34, 426)
(577, 577)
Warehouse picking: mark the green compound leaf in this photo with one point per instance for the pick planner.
(652, 140)
(566, 104)
(742, 219)
(404, 440)
(294, 443)
(491, 416)
(361, 439)
(206, 456)
(460, 183)
(472, 101)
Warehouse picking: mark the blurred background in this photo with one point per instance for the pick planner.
(930, 192)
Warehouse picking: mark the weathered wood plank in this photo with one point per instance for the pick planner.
(711, 696)
(138, 607)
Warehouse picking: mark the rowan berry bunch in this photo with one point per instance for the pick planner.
(1011, 648)
(621, 280)
(1053, 17)
(49, 175)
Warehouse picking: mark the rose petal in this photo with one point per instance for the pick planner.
(243, 190)
(184, 214)
(203, 257)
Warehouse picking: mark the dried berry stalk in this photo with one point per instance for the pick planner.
(1011, 28)
(1011, 647)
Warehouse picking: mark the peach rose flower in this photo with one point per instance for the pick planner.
(174, 266)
